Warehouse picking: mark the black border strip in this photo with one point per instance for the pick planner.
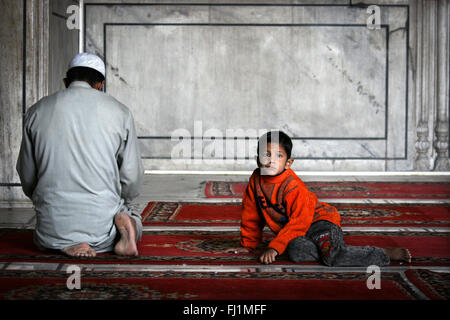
(386, 90)
(59, 15)
(407, 83)
(247, 138)
(350, 4)
(24, 62)
(8, 184)
(251, 158)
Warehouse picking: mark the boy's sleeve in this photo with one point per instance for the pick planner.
(251, 222)
(300, 206)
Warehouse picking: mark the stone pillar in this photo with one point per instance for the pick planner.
(11, 96)
(424, 65)
(37, 48)
(442, 87)
(432, 85)
(24, 80)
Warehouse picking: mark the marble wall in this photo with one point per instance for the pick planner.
(36, 49)
(205, 78)
(317, 72)
(11, 94)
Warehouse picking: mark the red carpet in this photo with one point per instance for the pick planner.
(207, 248)
(391, 190)
(189, 247)
(202, 286)
(226, 214)
(196, 248)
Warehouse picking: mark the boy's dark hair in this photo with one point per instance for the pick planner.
(279, 137)
(89, 75)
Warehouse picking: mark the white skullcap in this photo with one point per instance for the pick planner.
(88, 60)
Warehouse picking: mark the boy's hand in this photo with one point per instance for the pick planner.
(237, 250)
(268, 256)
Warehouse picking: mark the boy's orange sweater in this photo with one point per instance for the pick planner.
(285, 204)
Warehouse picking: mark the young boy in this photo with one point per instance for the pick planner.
(308, 229)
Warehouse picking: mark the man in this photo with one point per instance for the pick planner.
(80, 164)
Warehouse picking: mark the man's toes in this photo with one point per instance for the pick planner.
(81, 250)
(409, 255)
(406, 255)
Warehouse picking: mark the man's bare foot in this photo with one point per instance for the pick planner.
(398, 254)
(80, 250)
(126, 246)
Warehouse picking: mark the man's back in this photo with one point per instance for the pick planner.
(87, 164)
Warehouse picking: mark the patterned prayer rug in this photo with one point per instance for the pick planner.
(389, 190)
(229, 214)
(208, 248)
(170, 285)
(435, 285)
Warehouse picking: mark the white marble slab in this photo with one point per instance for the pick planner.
(316, 72)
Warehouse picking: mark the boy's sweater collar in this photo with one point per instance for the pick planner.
(275, 179)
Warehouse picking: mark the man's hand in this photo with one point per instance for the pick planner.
(268, 256)
(237, 250)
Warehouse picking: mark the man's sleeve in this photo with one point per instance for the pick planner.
(26, 166)
(251, 222)
(300, 209)
(130, 165)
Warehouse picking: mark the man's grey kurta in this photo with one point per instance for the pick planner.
(80, 164)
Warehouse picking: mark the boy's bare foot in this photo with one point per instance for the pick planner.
(80, 250)
(398, 254)
(126, 246)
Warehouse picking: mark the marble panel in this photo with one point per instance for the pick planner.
(252, 68)
(250, 77)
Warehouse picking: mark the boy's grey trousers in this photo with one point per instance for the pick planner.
(324, 242)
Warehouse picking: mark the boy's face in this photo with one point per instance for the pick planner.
(273, 160)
